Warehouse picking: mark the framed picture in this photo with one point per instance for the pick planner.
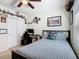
(3, 19)
(71, 18)
(3, 31)
(54, 21)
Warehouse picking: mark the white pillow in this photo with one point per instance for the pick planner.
(60, 36)
(45, 35)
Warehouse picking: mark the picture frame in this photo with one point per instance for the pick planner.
(3, 31)
(71, 17)
(3, 19)
(54, 21)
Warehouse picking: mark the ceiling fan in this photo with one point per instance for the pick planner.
(27, 2)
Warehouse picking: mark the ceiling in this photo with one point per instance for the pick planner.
(38, 5)
(13, 5)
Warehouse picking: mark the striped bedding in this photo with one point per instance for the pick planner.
(48, 49)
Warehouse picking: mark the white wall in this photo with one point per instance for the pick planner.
(3, 37)
(75, 40)
(75, 27)
(48, 8)
(15, 28)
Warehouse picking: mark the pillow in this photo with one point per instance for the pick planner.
(45, 35)
(60, 36)
(51, 35)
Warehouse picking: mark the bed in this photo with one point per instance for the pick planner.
(46, 48)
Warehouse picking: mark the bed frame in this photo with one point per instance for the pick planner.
(66, 31)
(17, 56)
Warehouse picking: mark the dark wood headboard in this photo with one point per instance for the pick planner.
(64, 31)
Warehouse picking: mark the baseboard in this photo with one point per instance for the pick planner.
(4, 49)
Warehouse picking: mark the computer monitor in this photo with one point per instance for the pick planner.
(30, 30)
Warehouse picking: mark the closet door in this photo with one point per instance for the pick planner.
(21, 27)
(3, 42)
(3, 38)
(12, 39)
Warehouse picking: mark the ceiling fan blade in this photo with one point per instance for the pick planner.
(35, 0)
(31, 5)
(19, 5)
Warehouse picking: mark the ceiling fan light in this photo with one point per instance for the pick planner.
(24, 2)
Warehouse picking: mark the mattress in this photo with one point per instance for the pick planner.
(48, 49)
